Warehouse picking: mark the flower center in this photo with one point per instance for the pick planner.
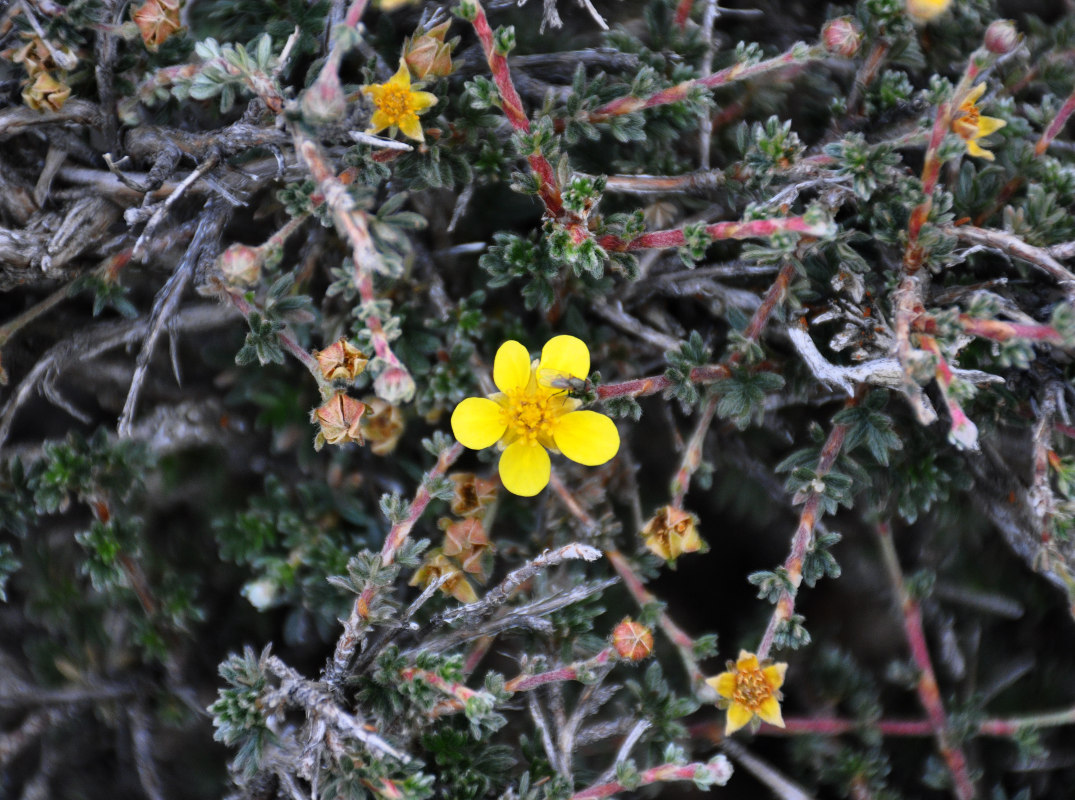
(393, 102)
(529, 416)
(966, 125)
(751, 689)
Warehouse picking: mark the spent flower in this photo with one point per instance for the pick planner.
(46, 93)
(341, 360)
(157, 21)
(532, 413)
(382, 425)
(438, 565)
(340, 421)
(750, 689)
(398, 104)
(671, 532)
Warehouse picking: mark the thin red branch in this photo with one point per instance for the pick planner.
(804, 536)
(929, 694)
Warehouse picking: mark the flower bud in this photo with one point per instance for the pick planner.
(842, 37)
(632, 640)
(340, 421)
(341, 361)
(382, 425)
(427, 54)
(46, 93)
(157, 21)
(395, 385)
(671, 533)
(241, 265)
(323, 103)
(1001, 37)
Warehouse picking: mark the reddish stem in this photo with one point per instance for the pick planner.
(804, 537)
(760, 228)
(512, 105)
(929, 693)
(665, 772)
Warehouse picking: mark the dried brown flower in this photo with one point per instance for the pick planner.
(341, 361)
(157, 21)
(671, 533)
(340, 421)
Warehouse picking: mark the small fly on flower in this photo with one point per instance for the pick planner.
(558, 379)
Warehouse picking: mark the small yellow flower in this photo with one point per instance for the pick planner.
(532, 413)
(972, 126)
(750, 690)
(927, 10)
(398, 104)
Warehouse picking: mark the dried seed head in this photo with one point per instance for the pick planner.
(472, 494)
(340, 421)
(382, 425)
(632, 640)
(671, 533)
(46, 93)
(157, 21)
(341, 360)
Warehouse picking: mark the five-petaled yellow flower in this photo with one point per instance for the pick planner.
(749, 689)
(398, 104)
(532, 413)
(972, 126)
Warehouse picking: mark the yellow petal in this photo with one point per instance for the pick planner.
(769, 710)
(974, 94)
(525, 469)
(477, 423)
(411, 127)
(402, 78)
(378, 122)
(586, 437)
(420, 101)
(723, 684)
(988, 125)
(774, 675)
(738, 716)
(511, 367)
(747, 662)
(975, 150)
(565, 355)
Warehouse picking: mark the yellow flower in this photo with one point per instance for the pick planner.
(532, 413)
(972, 126)
(398, 105)
(749, 689)
(926, 10)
